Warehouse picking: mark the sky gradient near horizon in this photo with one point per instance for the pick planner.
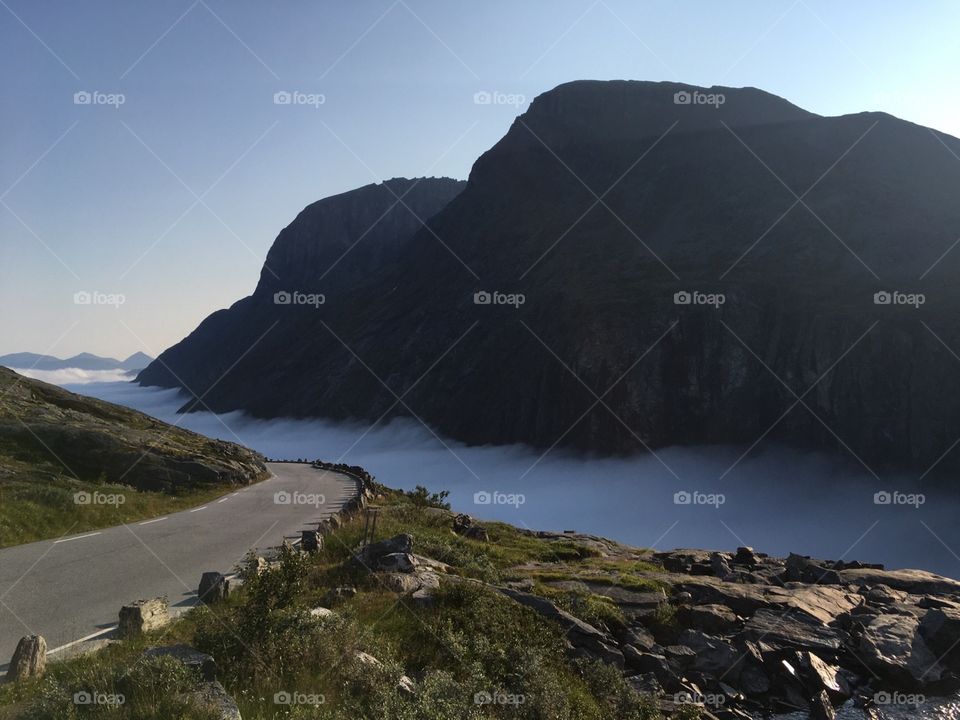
(172, 198)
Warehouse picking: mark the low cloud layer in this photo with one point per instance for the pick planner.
(778, 500)
(74, 376)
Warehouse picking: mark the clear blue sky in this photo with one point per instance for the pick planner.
(103, 198)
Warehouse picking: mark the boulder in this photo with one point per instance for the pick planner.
(915, 582)
(753, 679)
(429, 583)
(712, 618)
(397, 562)
(791, 629)
(820, 707)
(893, 647)
(826, 604)
(143, 616)
(680, 656)
(214, 588)
(29, 659)
(403, 583)
(190, 657)
(370, 555)
(940, 628)
(211, 696)
(720, 566)
(745, 556)
(656, 665)
(639, 637)
(311, 541)
(477, 533)
(819, 676)
(713, 655)
(885, 595)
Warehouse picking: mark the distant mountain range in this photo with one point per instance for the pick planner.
(84, 361)
(695, 265)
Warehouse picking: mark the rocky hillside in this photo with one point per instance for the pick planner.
(47, 433)
(438, 617)
(666, 265)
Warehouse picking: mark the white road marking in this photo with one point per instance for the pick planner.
(91, 636)
(147, 522)
(78, 537)
(199, 509)
(223, 500)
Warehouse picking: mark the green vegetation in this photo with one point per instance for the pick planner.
(55, 444)
(469, 645)
(38, 509)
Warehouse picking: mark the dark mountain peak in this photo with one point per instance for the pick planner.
(335, 238)
(633, 105)
(605, 205)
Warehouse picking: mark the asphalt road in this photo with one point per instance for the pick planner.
(70, 588)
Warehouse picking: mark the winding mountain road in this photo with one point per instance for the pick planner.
(73, 587)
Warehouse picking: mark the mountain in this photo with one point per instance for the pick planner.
(698, 265)
(83, 361)
(48, 433)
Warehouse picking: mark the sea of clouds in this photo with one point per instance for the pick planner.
(777, 500)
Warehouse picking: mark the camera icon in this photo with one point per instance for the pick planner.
(882, 298)
(282, 298)
(82, 98)
(282, 698)
(882, 698)
(482, 298)
(282, 498)
(882, 498)
(82, 498)
(82, 698)
(282, 98)
(682, 98)
(682, 298)
(482, 98)
(682, 498)
(482, 698)
(82, 298)
(482, 498)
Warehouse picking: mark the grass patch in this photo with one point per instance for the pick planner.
(43, 509)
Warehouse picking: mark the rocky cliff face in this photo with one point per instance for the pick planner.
(607, 205)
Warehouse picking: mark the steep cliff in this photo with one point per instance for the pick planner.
(602, 203)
